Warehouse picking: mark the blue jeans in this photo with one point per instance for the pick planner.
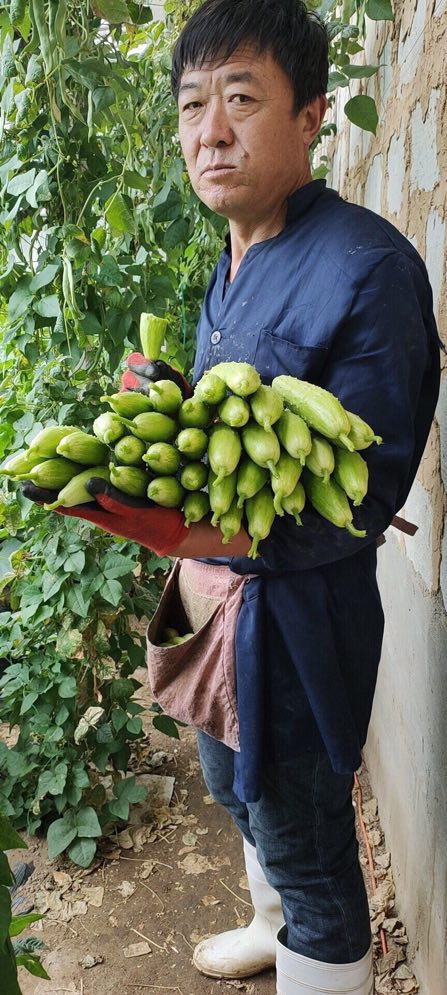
(303, 828)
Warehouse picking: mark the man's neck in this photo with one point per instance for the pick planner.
(247, 232)
(245, 235)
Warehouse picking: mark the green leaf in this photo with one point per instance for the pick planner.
(52, 781)
(5, 916)
(105, 734)
(6, 551)
(43, 277)
(360, 72)
(139, 13)
(119, 808)
(118, 215)
(176, 233)
(82, 852)
(76, 602)
(111, 591)
(128, 789)
(79, 776)
(379, 10)
(135, 181)
(28, 702)
(134, 726)
(20, 182)
(114, 11)
(336, 79)
(87, 823)
(119, 719)
(33, 965)
(362, 111)
(9, 839)
(20, 299)
(117, 565)
(51, 584)
(121, 689)
(60, 834)
(75, 562)
(103, 97)
(166, 725)
(61, 715)
(19, 923)
(39, 188)
(169, 209)
(67, 688)
(6, 875)
(9, 970)
(48, 307)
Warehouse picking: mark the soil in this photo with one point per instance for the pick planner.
(186, 883)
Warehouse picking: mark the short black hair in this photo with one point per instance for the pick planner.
(296, 38)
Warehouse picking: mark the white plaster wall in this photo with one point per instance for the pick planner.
(402, 173)
(407, 757)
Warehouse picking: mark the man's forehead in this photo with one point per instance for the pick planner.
(243, 66)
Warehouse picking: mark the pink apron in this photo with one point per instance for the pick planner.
(194, 681)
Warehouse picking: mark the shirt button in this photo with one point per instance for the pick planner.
(215, 337)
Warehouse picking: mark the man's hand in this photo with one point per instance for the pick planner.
(142, 373)
(159, 529)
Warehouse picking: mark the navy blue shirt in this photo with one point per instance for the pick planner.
(342, 299)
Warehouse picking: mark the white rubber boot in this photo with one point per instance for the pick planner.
(239, 953)
(297, 975)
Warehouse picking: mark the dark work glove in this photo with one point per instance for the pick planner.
(159, 529)
(142, 373)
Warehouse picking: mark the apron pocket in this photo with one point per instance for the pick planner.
(187, 679)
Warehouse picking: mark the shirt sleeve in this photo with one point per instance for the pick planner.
(384, 366)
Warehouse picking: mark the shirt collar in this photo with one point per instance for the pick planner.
(303, 198)
(297, 204)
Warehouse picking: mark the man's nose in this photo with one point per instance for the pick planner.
(216, 129)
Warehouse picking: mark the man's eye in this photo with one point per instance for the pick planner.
(240, 98)
(192, 106)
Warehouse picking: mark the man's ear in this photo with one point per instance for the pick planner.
(313, 118)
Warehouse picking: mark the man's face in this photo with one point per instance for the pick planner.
(243, 145)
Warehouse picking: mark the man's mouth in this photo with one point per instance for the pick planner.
(217, 168)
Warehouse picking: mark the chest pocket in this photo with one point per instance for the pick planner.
(289, 349)
(290, 346)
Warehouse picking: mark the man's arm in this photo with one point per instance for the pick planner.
(384, 365)
(204, 539)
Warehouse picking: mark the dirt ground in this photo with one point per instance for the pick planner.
(173, 877)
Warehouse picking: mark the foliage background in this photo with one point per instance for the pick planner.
(97, 224)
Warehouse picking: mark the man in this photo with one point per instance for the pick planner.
(328, 292)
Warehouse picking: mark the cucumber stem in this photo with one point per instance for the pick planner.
(277, 503)
(272, 467)
(378, 439)
(253, 551)
(298, 519)
(361, 533)
(215, 519)
(240, 501)
(346, 442)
